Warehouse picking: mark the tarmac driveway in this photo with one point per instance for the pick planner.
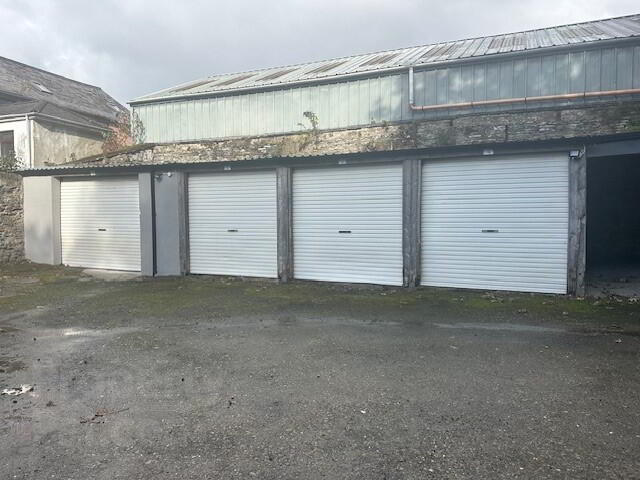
(203, 377)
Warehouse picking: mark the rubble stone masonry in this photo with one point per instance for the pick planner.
(11, 220)
(578, 121)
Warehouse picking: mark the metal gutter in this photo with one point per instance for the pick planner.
(583, 46)
(12, 116)
(52, 118)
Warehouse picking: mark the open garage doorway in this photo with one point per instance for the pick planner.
(613, 226)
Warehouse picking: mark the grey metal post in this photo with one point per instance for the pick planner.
(577, 252)
(170, 223)
(285, 234)
(183, 217)
(147, 230)
(411, 197)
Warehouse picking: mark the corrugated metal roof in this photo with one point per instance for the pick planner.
(126, 159)
(565, 35)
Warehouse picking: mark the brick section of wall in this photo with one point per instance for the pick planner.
(495, 128)
(11, 226)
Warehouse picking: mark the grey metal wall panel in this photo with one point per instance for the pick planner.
(442, 87)
(608, 69)
(577, 72)
(533, 84)
(624, 68)
(520, 78)
(384, 98)
(636, 67)
(506, 80)
(547, 75)
(593, 65)
(480, 82)
(169, 209)
(145, 194)
(493, 81)
(562, 74)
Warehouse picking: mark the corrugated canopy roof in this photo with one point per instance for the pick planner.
(565, 35)
(30, 83)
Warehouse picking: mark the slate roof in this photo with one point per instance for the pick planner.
(531, 40)
(57, 92)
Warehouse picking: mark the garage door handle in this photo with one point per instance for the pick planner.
(490, 230)
(231, 230)
(102, 229)
(344, 231)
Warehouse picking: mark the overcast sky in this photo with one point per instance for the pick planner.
(134, 47)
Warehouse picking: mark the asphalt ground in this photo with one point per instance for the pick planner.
(212, 377)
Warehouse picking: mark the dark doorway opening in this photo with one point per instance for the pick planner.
(613, 225)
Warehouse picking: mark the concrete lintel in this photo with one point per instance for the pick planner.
(609, 149)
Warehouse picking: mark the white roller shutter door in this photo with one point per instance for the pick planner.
(100, 223)
(496, 223)
(347, 224)
(233, 223)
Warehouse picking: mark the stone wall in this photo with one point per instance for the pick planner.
(11, 223)
(489, 128)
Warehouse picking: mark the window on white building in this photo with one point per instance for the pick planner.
(6, 144)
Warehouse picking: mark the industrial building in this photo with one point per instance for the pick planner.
(508, 162)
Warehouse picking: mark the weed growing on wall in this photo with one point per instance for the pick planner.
(126, 131)
(8, 163)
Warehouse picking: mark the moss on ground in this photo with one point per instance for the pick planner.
(218, 297)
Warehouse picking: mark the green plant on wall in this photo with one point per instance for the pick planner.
(312, 134)
(138, 132)
(8, 162)
(128, 129)
(313, 119)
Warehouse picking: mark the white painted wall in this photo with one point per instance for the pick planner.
(53, 143)
(42, 219)
(20, 140)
